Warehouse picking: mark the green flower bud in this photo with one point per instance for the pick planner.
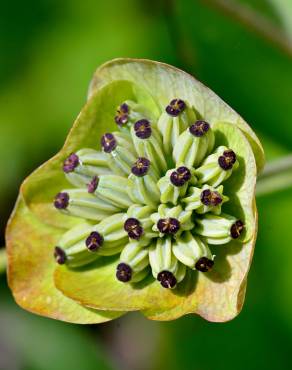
(119, 151)
(142, 183)
(219, 229)
(148, 144)
(217, 167)
(165, 267)
(176, 118)
(142, 215)
(130, 112)
(134, 262)
(171, 220)
(84, 243)
(194, 144)
(82, 166)
(113, 189)
(80, 203)
(206, 199)
(175, 184)
(192, 252)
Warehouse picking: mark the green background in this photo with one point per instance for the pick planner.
(242, 50)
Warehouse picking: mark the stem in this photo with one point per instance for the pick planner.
(254, 21)
(276, 176)
(3, 260)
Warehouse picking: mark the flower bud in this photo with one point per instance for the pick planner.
(148, 144)
(175, 184)
(142, 183)
(219, 229)
(171, 221)
(80, 203)
(134, 261)
(119, 152)
(193, 252)
(217, 167)
(165, 267)
(140, 223)
(130, 112)
(207, 199)
(194, 144)
(81, 167)
(176, 118)
(113, 189)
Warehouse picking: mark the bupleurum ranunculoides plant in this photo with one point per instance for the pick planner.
(149, 206)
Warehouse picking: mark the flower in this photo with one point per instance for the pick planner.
(149, 205)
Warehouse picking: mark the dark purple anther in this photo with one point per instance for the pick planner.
(168, 225)
(204, 264)
(141, 167)
(211, 198)
(122, 115)
(199, 128)
(94, 241)
(133, 227)
(60, 255)
(91, 187)
(61, 200)
(180, 176)
(236, 229)
(175, 107)
(143, 129)
(227, 160)
(124, 272)
(108, 142)
(167, 279)
(71, 163)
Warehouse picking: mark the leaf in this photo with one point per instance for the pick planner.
(165, 82)
(30, 246)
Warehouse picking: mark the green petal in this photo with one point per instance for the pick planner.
(165, 82)
(30, 246)
(218, 295)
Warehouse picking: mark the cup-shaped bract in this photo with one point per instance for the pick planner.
(149, 206)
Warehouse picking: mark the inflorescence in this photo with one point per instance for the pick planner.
(153, 195)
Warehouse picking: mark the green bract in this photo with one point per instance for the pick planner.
(149, 206)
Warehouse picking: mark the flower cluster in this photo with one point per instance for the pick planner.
(154, 195)
(149, 206)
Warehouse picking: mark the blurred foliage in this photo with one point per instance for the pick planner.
(49, 50)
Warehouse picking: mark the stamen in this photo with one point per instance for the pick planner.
(61, 200)
(108, 142)
(204, 264)
(175, 107)
(236, 229)
(71, 163)
(122, 115)
(94, 241)
(91, 187)
(133, 227)
(167, 279)
(168, 225)
(180, 176)
(143, 129)
(211, 198)
(227, 160)
(199, 128)
(124, 272)
(60, 255)
(141, 167)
